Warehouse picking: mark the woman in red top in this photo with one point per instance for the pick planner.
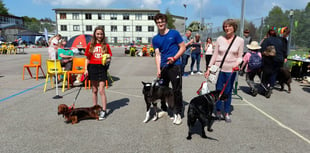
(97, 73)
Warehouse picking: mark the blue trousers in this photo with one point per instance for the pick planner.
(195, 58)
(221, 81)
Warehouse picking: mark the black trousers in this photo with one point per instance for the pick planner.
(172, 73)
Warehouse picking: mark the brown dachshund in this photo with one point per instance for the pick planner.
(76, 114)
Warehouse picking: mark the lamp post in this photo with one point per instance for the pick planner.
(184, 19)
(242, 18)
(291, 27)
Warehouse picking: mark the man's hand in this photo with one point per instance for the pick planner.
(171, 60)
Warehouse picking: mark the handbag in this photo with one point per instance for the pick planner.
(204, 89)
(215, 70)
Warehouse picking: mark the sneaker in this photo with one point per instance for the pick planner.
(192, 73)
(219, 115)
(254, 92)
(185, 75)
(227, 118)
(268, 93)
(177, 119)
(102, 115)
(199, 73)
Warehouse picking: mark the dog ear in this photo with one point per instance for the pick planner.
(143, 83)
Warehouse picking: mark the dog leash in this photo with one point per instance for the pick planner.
(233, 70)
(73, 105)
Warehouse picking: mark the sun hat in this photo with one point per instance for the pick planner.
(253, 46)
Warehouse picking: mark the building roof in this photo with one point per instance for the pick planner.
(29, 33)
(109, 10)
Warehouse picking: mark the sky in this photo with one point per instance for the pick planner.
(213, 11)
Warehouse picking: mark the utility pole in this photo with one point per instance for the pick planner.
(291, 28)
(242, 18)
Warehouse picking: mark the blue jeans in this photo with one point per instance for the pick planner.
(221, 81)
(184, 62)
(195, 57)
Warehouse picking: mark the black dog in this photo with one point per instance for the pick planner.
(284, 77)
(201, 108)
(153, 92)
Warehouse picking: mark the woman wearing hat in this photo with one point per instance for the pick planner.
(252, 60)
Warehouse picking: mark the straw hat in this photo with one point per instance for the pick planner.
(254, 46)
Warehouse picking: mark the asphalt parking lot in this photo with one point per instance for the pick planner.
(29, 120)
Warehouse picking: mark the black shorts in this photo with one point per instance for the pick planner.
(97, 72)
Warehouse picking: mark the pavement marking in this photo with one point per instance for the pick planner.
(278, 122)
(26, 90)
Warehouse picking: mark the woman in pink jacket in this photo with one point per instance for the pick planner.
(232, 60)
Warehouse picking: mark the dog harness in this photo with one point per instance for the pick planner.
(210, 97)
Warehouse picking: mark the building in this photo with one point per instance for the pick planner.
(122, 26)
(9, 26)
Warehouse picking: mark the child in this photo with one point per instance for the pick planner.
(253, 61)
(97, 73)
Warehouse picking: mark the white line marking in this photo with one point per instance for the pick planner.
(278, 122)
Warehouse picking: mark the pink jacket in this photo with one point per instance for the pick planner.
(234, 56)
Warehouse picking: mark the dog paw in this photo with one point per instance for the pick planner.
(155, 118)
(189, 138)
(210, 130)
(145, 121)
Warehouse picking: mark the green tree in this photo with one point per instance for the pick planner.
(276, 18)
(170, 20)
(3, 9)
(194, 26)
(301, 33)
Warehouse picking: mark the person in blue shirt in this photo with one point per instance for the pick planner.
(169, 47)
(188, 41)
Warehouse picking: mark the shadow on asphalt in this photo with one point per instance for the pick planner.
(117, 104)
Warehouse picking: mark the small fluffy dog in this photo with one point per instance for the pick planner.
(153, 92)
(201, 108)
(76, 114)
(284, 77)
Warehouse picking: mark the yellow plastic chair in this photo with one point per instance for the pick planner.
(3, 49)
(78, 67)
(35, 61)
(51, 70)
(11, 49)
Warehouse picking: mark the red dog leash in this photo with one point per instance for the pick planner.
(233, 70)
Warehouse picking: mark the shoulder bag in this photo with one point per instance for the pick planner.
(215, 70)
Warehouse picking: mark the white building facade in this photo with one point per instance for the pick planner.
(121, 26)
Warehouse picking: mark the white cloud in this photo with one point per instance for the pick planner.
(78, 3)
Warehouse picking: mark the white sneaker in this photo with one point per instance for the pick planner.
(199, 73)
(177, 119)
(192, 73)
(102, 115)
(227, 118)
(162, 114)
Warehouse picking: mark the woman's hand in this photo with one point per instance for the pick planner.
(86, 72)
(207, 73)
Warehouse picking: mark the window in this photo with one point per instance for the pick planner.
(139, 39)
(126, 39)
(126, 28)
(89, 28)
(138, 28)
(113, 28)
(114, 40)
(150, 28)
(149, 39)
(100, 16)
(150, 16)
(75, 16)
(113, 16)
(76, 27)
(63, 27)
(63, 16)
(126, 16)
(87, 16)
(138, 16)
